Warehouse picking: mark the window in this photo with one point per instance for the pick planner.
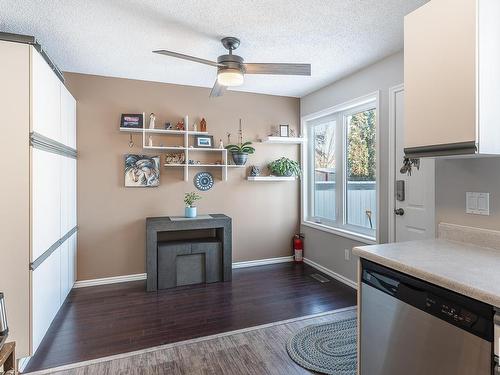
(341, 170)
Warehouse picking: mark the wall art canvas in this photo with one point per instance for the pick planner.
(142, 170)
(132, 121)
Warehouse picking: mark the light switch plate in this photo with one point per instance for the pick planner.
(477, 203)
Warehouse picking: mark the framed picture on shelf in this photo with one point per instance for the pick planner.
(203, 141)
(132, 121)
(284, 130)
(142, 170)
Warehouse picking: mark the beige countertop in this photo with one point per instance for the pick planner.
(467, 269)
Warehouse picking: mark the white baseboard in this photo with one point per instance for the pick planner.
(142, 276)
(109, 280)
(262, 262)
(331, 273)
(22, 363)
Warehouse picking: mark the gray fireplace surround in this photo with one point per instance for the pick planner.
(188, 251)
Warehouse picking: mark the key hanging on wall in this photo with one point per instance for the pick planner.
(408, 164)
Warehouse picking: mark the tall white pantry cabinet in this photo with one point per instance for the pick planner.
(38, 217)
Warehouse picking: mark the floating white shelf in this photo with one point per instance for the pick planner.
(162, 131)
(206, 149)
(289, 140)
(167, 148)
(271, 178)
(204, 165)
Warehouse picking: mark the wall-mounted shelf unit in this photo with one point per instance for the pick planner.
(271, 178)
(288, 140)
(186, 148)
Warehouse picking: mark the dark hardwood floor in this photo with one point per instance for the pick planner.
(111, 319)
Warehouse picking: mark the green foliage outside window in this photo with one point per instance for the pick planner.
(361, 162)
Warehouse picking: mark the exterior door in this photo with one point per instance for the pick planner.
(413, 217)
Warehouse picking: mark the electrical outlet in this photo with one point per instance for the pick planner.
(347, 254)
(477, 203)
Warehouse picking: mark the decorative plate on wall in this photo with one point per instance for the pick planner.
(203, 181)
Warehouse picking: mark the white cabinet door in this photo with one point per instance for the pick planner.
(72, 260)
(65, 270)
(46, 98)
(68, 118)
(68, 194)
(46, 296)
(46, 200)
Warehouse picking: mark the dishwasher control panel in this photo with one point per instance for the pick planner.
(450, 311)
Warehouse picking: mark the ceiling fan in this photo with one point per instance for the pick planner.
(231, 68)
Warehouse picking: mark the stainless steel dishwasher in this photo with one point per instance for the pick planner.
(411, 327)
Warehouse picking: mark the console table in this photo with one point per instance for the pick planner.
(177, 237)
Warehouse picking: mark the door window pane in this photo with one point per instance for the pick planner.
(361, 195)
(324, 175)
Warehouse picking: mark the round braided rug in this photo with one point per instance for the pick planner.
(329, 348)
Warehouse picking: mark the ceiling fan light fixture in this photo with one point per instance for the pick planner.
(230, 77)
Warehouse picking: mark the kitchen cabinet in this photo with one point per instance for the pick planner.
(38, 221)
(452, 78)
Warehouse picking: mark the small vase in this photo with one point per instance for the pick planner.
(240, 158)
(190, 212)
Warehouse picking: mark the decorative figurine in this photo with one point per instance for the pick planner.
(180, 125)
(203, 125)
(131, 141)
(221, 144)
(228, 138)
(150, 142)
(152, 119)
(195, 127)
(255, 171)
(168, 126)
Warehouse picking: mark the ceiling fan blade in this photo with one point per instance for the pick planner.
(285, 69)
(187, 57)
(217, 90)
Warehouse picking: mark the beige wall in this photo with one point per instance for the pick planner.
(15, 193)
(111, 218)
(456, 177)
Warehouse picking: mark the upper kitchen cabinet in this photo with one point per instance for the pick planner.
(68, 118)
(452, 78)
(45, 98)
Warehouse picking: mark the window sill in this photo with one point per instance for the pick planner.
(341, 232)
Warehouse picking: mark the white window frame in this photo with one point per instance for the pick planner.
(371, 100)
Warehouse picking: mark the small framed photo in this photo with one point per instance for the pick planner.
(132, 121)
(284, 130)
(203, 141)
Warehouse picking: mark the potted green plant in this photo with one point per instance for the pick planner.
(284, 167)
(240, 152)
(189, 200)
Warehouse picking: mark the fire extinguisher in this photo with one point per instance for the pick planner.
(298, 248)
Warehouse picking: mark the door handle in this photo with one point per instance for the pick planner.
(399, 211)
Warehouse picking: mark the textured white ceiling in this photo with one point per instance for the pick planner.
(116, 37)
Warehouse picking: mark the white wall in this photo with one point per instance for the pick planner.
(324, 248)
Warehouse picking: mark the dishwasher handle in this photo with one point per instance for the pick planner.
(381, 282)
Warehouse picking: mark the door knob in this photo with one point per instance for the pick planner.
(399, 211)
